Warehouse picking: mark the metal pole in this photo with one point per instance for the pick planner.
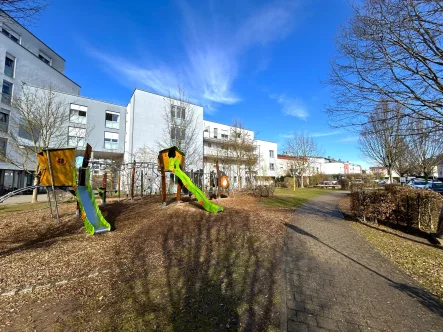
(132, 180)
(118, 185)
(49, 201)
(141, 184)
(52, 184)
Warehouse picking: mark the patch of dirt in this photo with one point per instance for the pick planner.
(172, 266)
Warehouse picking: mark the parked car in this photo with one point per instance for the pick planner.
(417, 183)
(436, 186)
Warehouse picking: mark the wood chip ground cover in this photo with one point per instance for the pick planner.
(416, 256)
(164, 268)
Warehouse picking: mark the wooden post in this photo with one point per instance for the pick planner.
(105, 182)
(163, 186)
(218, 179)
(133, 180)
(52, 183)
(179, 187)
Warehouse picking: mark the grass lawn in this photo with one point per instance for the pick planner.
(290, 199)
(414, 255)
(6, 208)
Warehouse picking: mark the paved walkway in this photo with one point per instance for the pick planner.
(335, 281)
(20, 199)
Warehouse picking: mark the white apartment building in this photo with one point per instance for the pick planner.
(120, 131)
(267, 158)
(318, 165)
(24, 59)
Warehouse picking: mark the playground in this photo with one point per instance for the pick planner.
(160, 268)
(157, 262)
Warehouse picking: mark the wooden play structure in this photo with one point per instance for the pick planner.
(173, 160)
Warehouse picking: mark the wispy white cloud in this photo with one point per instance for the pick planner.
(291, 106)
(349, 139)
(329, 133)
(210, 64)
(286, 135)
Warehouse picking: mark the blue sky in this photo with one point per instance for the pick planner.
(260, 62)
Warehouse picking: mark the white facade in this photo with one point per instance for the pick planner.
(267, 158)
(24, 59)
(145, 124)
(318, 165)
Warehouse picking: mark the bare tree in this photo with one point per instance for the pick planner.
(381, 138)
(426, 147)
(391, 50)
(38, 121)
(21, 10)
(301, 147)
(182, 128)
(239, 150)
(404, 163)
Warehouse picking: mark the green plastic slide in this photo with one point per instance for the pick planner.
(201, 197)
(92, 217)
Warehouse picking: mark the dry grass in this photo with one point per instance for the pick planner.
(415, 255)
(170, 268)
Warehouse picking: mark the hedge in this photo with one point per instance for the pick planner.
(402, 205)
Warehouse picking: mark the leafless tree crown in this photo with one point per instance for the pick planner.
(24, 11)
(181, 127)
(391, 50)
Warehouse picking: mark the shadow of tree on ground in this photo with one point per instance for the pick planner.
(208, 273)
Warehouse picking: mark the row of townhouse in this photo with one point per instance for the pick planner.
(117, 132)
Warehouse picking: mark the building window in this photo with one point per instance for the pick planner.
(224, 134)
(112, 120)
(3, 143)
(76, 136)
(77, 114)
(11, 34)
(215, 132)
(271, 167)
(9, 65)
(42, 56)
(7, 92)
(178, 112)
(271, 153)
(4, 120)
(111, 141)
(177, 133)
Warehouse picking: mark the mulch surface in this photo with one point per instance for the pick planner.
(159, 268)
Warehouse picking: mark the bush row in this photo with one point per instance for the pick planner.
(403, 205)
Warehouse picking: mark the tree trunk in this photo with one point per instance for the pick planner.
(301, 185)
(36, 182)
(390, 175)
